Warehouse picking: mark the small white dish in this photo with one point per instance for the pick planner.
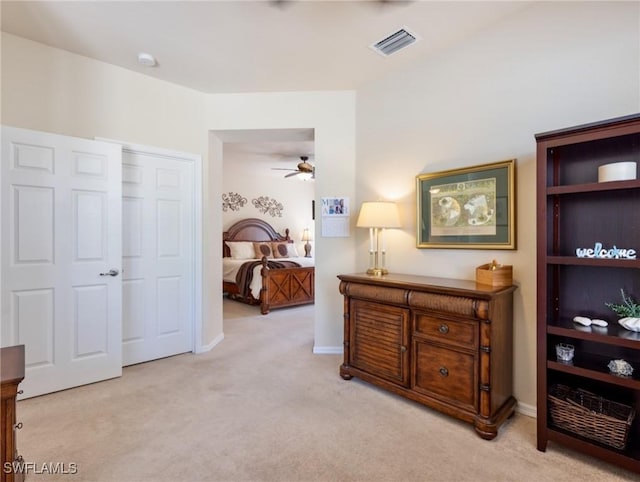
(617, 171)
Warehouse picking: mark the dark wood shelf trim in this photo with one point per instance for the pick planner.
(578, 369)
(628, 458)
(617, 126)
(613, 334)
(593, 187)
(604, 262)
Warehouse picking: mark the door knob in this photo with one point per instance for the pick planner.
(111, 272)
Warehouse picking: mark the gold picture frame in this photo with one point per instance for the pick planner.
(468, 208)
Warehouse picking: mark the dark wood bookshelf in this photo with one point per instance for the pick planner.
(576, 211)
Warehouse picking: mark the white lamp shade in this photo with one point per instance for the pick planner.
(378, 214)
(305, 235)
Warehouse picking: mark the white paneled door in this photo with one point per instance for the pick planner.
(158, 254)
(61, 257)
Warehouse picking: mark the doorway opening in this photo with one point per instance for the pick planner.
(262, 177)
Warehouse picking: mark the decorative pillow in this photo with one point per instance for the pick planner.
(280, 249)
(263, 249)
(291, 251)
(241, 249)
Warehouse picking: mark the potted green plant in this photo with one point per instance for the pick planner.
(629, 310)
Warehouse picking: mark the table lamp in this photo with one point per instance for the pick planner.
(378, 216)
(306, 237)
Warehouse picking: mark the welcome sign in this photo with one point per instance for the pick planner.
(598, 251)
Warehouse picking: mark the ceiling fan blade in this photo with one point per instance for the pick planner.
(293, 174)
(282, 169)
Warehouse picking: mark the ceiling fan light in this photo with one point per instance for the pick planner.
(305, 176)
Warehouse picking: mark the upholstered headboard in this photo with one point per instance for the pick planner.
(252, 229)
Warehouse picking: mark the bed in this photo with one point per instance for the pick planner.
(277, 279)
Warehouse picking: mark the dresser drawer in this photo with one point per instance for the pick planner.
(463, 334)
(448, 374)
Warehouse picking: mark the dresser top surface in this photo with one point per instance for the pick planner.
(12, 363)
(426, 283)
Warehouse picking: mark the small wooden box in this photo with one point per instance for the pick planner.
(501, 276)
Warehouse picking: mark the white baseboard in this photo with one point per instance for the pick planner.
(327, 350)
(209, 347)
(526, 409)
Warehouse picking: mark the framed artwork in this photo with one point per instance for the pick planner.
(468, 208)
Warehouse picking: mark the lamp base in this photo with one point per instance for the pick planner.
(307, 250)
(377, 271)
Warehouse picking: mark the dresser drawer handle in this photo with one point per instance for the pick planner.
(444, 372)
(18, 426)
(444, 329)
(403, 348)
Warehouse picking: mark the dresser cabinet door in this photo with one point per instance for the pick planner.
(379, 339)
(447, 374)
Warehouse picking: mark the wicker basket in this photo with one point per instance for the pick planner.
(590, 416)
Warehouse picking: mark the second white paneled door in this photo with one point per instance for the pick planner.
(158, 255)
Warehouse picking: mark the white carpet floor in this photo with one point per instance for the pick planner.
(261, 407)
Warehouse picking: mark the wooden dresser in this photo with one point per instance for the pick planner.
(442, 342)
(11, 374)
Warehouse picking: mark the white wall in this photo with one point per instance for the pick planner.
(553, 65)
(332, 116)
(52, 90)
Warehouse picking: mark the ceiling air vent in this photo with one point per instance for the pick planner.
(394, 42)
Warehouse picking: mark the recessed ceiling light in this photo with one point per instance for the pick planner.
(147, 60)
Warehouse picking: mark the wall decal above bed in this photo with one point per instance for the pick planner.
(233, 201)
(268, 206)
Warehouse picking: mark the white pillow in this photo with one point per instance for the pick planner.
(291, 251)
(241, 249)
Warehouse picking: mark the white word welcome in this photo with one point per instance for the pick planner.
(599, 252)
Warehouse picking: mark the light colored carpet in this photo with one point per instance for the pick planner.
(262, 407)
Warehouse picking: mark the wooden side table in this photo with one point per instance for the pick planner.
(11, 374)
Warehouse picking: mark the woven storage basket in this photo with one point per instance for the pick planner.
(590, 416)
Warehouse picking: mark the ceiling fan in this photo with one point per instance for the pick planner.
(304, 169)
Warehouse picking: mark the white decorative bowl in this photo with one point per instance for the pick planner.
(632, 324)
(617, 171)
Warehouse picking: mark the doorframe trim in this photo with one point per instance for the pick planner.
(196, 346)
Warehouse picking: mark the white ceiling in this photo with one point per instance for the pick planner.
(262, 150)
(252, 46)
